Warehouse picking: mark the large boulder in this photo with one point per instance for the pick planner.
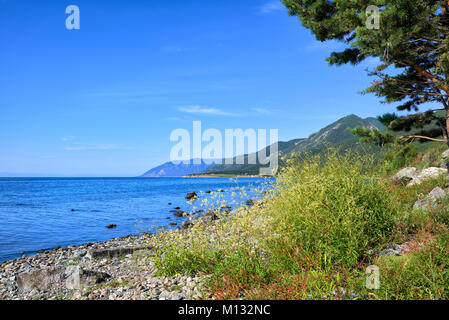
(113, 252)
(71, 277)
(431, 201)
(406, 175)
(429, 173)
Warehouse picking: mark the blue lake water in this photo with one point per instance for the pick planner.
(36, 213)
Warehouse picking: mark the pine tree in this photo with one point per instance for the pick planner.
(411, 44)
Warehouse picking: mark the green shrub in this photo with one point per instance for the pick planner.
(421, 275)
(310, 237)
(335, 210)
(399, 157)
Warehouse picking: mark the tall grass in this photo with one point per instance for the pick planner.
(308, 239)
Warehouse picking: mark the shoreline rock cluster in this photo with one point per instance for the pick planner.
(120, 268)
(117, 269)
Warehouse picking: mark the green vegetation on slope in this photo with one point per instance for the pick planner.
(314, 235)
(335, 135)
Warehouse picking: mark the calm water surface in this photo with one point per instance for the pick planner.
(36, 213)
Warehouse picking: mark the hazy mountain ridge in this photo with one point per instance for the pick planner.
(333, 135)
(170, 169)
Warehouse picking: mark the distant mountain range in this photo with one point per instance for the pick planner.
(170, 169)
(334, 135)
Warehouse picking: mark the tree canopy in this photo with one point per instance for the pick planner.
(411, 45)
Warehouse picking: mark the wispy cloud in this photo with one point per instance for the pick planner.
(98, 147)
(204, 110)
(261, 110)
(69, 138)
(271, 7)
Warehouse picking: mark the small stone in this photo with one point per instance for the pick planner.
(392, 250)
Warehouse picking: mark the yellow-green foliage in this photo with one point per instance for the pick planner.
(335, 209)
(309, 238)
(423, 274)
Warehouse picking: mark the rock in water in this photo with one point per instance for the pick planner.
(191, 195)
(111, 226)
(179, 213)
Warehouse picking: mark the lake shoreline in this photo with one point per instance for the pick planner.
(120, 268)
(115, 269)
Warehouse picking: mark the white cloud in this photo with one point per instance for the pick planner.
(204, 110)
(261, 110)
(272, 6)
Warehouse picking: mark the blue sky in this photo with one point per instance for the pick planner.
(103, 100)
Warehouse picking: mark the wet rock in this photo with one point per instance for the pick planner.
(249, 202)
(173, 223)
(179, 213)
(111, 226)
(191, 196)
(177, 208)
